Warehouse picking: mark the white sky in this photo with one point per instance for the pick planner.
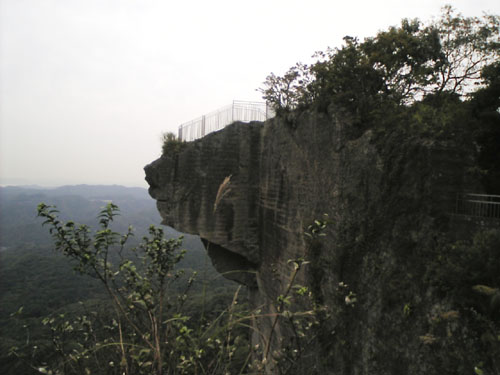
(88, 86)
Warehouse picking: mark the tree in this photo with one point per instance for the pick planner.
(485, 105)
(287, 93)
(396, 67)
(171, 144)
(145, 332)
(345, 78)
(468, 45)
(405, 58)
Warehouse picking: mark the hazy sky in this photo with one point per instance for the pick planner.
(88, 86)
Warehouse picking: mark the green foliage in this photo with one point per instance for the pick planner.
(289, 92)
(465, 274)
(171, 145)
(396, 67)
(146, 331)
(478, 370)
(468, 45)
(142, 327)
(407, 309)
(43, 281)
(346, 80)
(459, 266)
(485, 106)
(439, 116)
(403, 57)
(317, 228)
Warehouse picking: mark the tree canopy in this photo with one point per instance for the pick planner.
(398, 66)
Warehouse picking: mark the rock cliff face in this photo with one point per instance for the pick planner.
(388, 196)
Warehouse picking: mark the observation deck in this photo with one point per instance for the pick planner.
(239, 110)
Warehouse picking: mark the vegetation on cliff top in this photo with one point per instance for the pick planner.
(171, 144)
(438, 85)
(439, 81)
(397, 66)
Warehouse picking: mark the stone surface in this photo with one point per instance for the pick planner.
(388, 197)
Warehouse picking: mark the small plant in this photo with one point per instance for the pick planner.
(407, 309)
(287, 93)
(171, 144)
(296, 318)
(143, 330)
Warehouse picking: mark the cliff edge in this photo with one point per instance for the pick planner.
(390, 288)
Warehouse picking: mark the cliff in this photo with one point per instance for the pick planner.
(391, 294)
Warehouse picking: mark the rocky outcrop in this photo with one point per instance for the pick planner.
(388, 196)
(185, 186)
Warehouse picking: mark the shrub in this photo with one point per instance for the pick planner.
(171, 144)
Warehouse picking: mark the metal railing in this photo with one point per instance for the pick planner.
(478, 205)
(239, 110)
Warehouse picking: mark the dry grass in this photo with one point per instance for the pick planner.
(223, 190)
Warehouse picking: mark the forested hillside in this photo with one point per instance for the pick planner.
(362, 220)
(39, 282)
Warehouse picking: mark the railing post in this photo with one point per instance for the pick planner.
(245, 112)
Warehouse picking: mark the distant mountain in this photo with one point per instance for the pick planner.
(19, 224)
(23, 239)
(43, 281)
(102, 191)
